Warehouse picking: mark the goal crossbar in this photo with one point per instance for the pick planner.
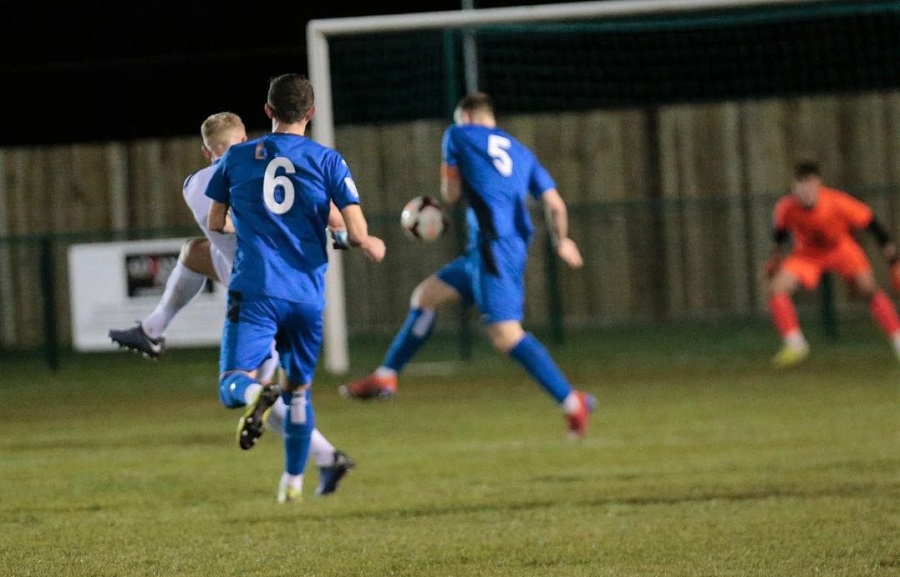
(524, 14)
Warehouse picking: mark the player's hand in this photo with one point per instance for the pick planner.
(374, 248)
(569, 253)
(895, 276)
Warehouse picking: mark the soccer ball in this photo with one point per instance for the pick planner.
(423, 218)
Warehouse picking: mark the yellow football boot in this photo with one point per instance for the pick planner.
(790, 356)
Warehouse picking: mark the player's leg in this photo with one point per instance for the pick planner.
(856, 269)
(500, 298)
(333, 463)
(246, 341)
(449, 285)
(269, 367)
(299, 342)
(268, 373)
(185, 281)
(787, 279)
(299, 424)
(885, 314)
(427, 297)
(509, 337)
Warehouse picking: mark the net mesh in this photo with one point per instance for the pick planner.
(621, 62)
(667, 203)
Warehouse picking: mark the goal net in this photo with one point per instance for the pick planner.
(381, 70)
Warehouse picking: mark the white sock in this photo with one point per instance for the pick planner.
(182, 285)
(275, 420)
(571, 403)
(795, 340)
(251, 392)
(320, 449)
(293, 481)
(382, 372)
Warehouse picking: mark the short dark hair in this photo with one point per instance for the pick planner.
(476, 101)
(806, 168)
(291, 97)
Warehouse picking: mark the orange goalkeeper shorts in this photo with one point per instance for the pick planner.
(847, 259)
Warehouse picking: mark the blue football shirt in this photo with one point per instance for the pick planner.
(280, 187)
(497, 172)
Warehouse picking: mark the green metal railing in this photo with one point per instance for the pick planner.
(39, 259)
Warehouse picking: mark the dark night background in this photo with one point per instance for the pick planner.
(100, 71)
(77, 73)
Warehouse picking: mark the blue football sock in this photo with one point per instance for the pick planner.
(536, 360)
(299, 423)
(232, 387)
(415, 331)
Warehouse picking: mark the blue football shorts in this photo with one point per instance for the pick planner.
(253, 321)
(492, 278)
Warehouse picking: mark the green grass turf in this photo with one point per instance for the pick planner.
(701, 461)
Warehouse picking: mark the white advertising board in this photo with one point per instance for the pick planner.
(114, 284)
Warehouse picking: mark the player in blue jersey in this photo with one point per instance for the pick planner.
(279, 191)
(211, 257)
(494, 173)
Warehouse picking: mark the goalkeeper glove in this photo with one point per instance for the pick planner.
(773, 263)
(341, 241)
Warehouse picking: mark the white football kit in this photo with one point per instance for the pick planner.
(222, 246)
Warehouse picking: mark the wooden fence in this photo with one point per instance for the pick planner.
(671, 205)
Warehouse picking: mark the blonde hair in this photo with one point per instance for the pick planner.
(216, 127)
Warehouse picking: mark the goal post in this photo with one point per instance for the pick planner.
(322, 33)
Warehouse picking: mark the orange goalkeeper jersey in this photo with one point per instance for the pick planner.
(826, 225)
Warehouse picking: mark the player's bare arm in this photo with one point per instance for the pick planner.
(337, 228)
(776, 254)
(358, 233)
(451, 184)
(218, 216)
(229, 224)
(889, 250)
(335, 219)
(557, 216)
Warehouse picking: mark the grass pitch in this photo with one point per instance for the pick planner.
(701, 461)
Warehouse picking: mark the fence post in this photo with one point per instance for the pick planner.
(458, 222)
(48, 290)
(554, 301)
(829, 320)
